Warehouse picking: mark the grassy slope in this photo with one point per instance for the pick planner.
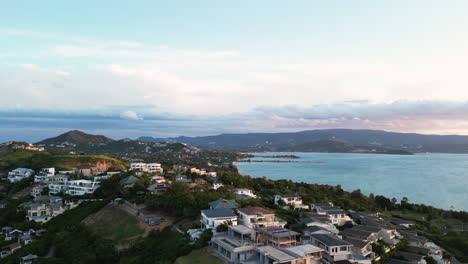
(113, 223)
(37, 160)
(199, 256)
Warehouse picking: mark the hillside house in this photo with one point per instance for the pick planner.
(258, 217)
(217, 184)
(146, 167)
(19, 174)
(290, 200)
(277, 236)
(212, 218)
(44, 174)
(335, 249)
(236, 246)
(244, 193)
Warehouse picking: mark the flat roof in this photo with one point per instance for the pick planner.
(254, 210)
(242, 229)
(275, 253)
(330, 240)
(302, 250)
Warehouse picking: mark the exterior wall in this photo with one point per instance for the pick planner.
(213, 223)
(254, 221)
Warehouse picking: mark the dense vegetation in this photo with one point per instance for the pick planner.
(66, 233)
(37, 160)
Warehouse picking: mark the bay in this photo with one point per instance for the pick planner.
(440, 180)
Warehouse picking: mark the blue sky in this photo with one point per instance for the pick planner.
(132, 68)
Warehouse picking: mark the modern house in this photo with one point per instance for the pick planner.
(44, 174)
(74, 187)
(361, 246)
(386, 234)
(19, 174)
(212, 218)
(412, 257)
(236, 246)
(44, 208)
(304, 254)
(366, 235)
(244, 192)
(335, 249)
(146, 167)
(277, 236)
(290, 200)
(158, 188)
(257, 217)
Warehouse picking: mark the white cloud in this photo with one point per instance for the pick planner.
(130, 115)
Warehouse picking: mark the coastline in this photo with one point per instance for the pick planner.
(351, 180)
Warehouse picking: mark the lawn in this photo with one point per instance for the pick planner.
(113, 223)
(199, 256)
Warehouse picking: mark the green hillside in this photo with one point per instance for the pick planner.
(37, 160)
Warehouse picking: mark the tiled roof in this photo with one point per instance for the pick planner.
(254, 210)
(223, 212)
(223, 203)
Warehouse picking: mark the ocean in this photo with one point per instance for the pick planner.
(440, 180)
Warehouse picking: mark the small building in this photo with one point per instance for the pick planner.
(86, 169)
(290, 200)
(129, 181)
(244, 192)
(37, 190)
(4, 203)
(217, 184)
(158, 188)
(152, 220)
(212, 218)
(199, 181)
(28, 259)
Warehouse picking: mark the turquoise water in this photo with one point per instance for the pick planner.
(440, 180)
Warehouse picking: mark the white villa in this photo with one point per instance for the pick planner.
(19, 174)
(335, 249)
(146, 167)
(212, 218)
(74, 187)
(293, 200)
(44, 174)
(244, 192)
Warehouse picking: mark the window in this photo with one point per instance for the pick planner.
(343, 248)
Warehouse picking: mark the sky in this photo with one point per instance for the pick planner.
(193, 68)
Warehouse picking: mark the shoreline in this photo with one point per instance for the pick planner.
(343, 184)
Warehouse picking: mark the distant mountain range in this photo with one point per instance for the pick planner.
(78, 141)
(329, 140)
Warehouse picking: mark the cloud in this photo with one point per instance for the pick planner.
(438, 117)
(130, 115)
